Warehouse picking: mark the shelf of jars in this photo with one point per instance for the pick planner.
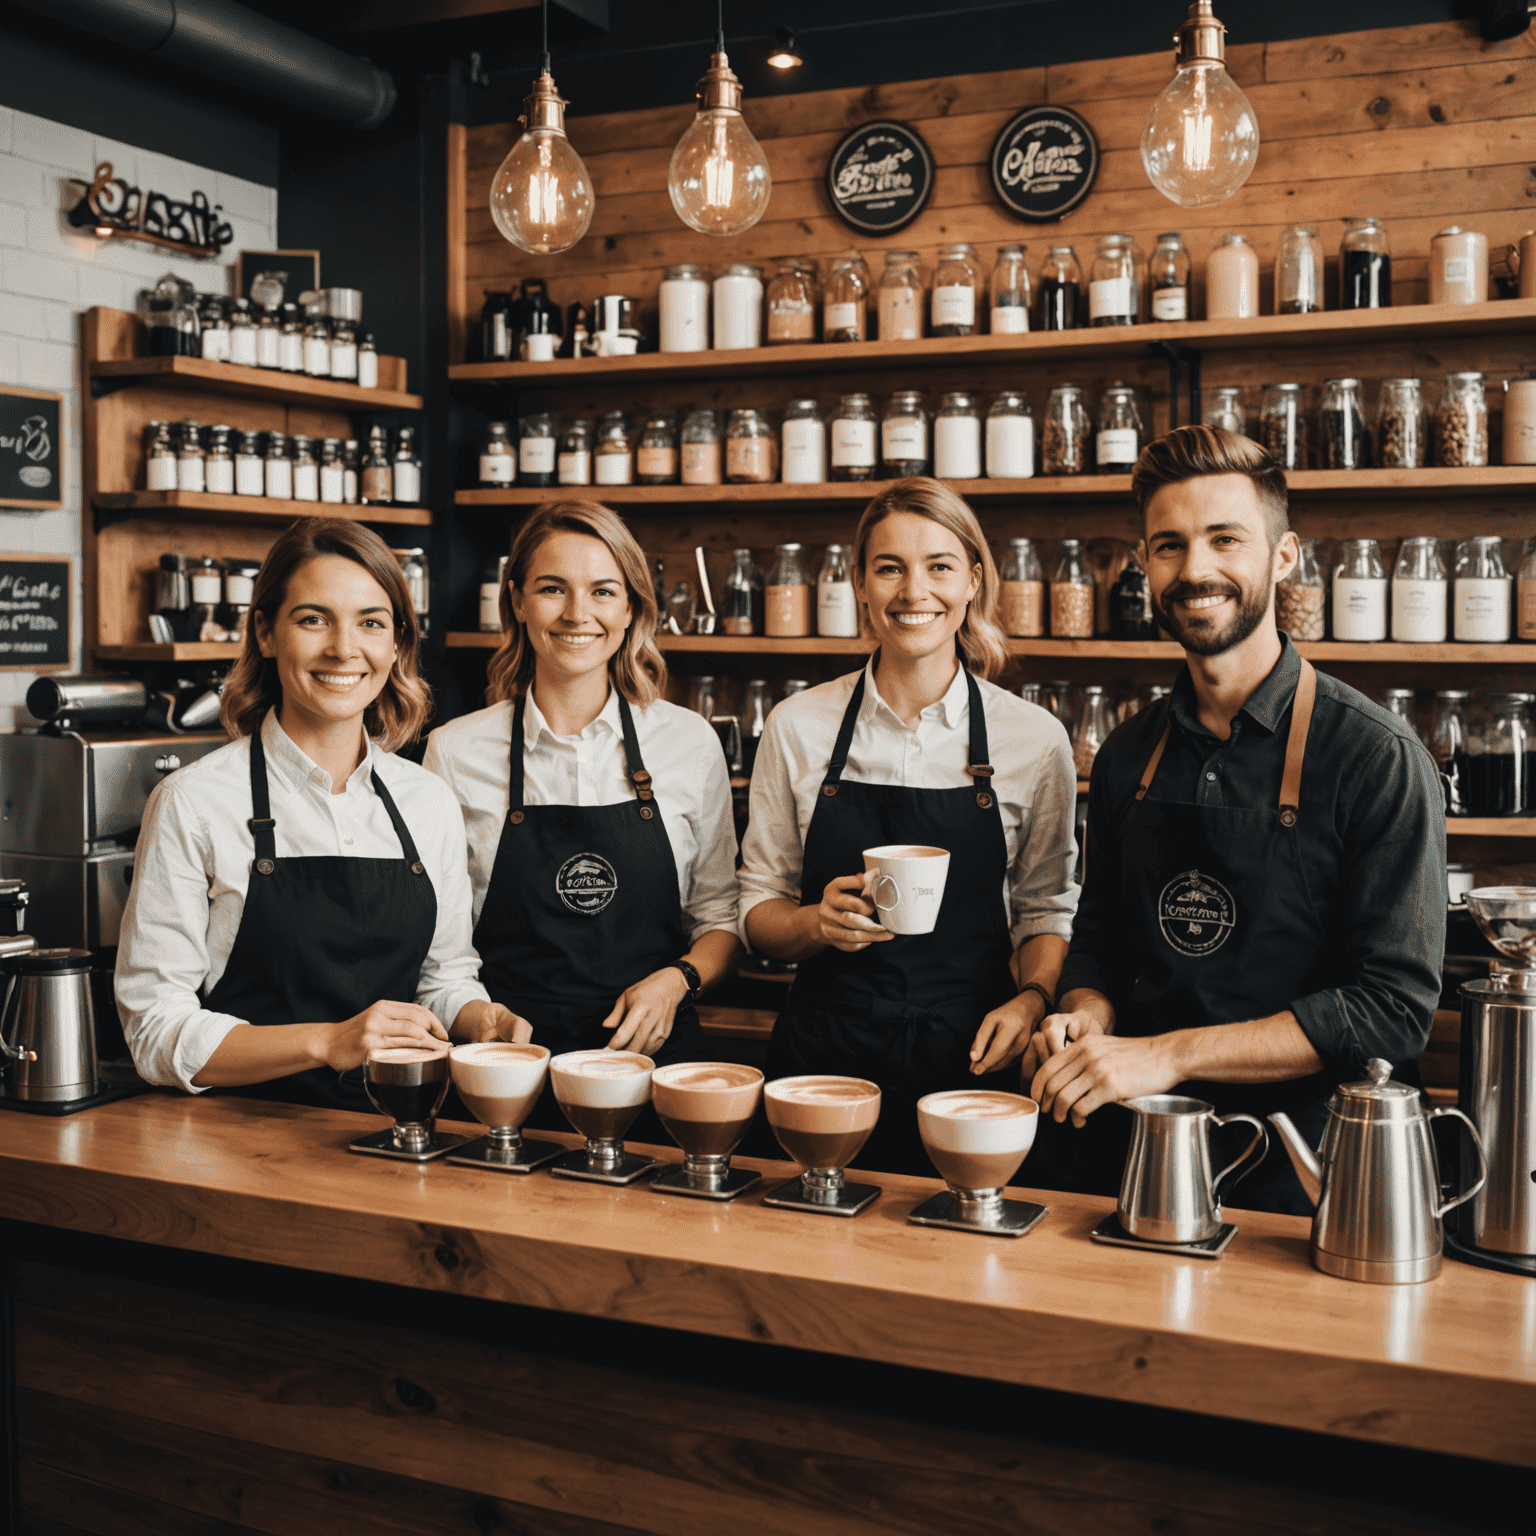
(181, 650)
(259, 383)
(257, 509)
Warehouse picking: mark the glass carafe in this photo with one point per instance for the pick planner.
(1448, 745)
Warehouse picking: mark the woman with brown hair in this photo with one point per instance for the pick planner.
(902, 752)
(601, 844)
(284, 920)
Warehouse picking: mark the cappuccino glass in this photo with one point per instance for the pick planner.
(905, 882)
(407, 1083)
(977, 1140)
(822, 1122)
(706, 1107)
(500, 1082)
(601, 1092)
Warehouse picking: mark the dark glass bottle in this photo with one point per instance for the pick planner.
(537, 314)
(1365, 266)
(1130, 605)
(1060, 290)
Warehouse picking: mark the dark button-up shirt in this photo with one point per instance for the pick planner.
(1372, 828)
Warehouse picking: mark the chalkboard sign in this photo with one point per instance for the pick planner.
(880, 177)
(31, 449)
(1044, 163)
(35, 596)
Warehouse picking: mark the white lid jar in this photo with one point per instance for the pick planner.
(957, 438)
(1480, 598)
(738, 308)
(1360, 592)
(804, 439)
(684, 310)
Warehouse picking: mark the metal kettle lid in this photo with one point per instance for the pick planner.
(44, 962)
(1377, 1096)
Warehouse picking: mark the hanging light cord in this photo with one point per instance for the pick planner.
(545, 66)
(719, 25)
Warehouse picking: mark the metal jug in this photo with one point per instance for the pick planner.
(1168, 1193)
(1376, 1181)
(47, 1028)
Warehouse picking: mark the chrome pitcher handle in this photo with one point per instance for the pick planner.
(1482, 1157)
(1260, 1141)
(7, 1050)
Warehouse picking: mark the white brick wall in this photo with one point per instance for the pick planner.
(50, 273)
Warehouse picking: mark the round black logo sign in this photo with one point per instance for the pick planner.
(1197, 914)
(1044, 163)
(880, 177)
(587, 883)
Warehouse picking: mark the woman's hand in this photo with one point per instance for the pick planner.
(381, 1027)
(642, 1018)
(846, 917)
(1055, 1034)
(490, 1021)
(1006, 1032)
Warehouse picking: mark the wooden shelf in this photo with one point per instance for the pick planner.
(1490, 826)
(1347, 328)
(182, 650)
(253, 383)
(250, 509)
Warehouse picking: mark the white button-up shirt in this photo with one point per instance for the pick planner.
(192, 868)
(681, 753)
(1034, 782)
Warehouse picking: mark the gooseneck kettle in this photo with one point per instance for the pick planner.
(1376, 1181)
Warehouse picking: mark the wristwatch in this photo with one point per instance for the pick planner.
(691, 976)
(1045, 997)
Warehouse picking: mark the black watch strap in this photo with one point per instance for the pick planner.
(692, 977)
(1045, 997)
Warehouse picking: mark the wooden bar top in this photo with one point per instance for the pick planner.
(1260, 1335)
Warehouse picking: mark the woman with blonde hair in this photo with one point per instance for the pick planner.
(284, 920)
(920, 747)
(601, 843)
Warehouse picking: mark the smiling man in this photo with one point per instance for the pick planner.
(1264, 902)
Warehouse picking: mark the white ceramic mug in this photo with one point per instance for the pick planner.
(905, 881)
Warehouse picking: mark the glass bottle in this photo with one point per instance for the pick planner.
(266, 337)
(538, 439)
(1481, 596)
(904, 436)
(956, 282)
(333, 478)
(187, 325)
(1226, 410)
(496, 328)
(1072, 594)
(805, 444)
(159, 458)
(306, 472)
(1021, 604)
(837, 610)
(1301, 600)
(656, 457)
(613, 460)
(1010, 292)
(538, 322)
(1094, 724)
(344, 350)
(1117, 444)
(1461, 422)
(737, 598)
(1360, 592)
(173, 592)
(792, 302)
(1399, 702)
(854, 429)
(845, 313)
(219, 466)
(1525, 615)
(684, 303)
(1299, 272)
(191, 465)
(1342, 443)
(1419, 592)
(1402, 426)
(250, 474)
(957, 438)
(405, 472)
(1365, 266)
(375, 482)
(1232, 280)
(1499, 781)
(573, 461)
(751, 449)
(498, 462)
(754, 721)
(317, 342)
(1283, 424)
(1168, 278)
(738, 307)
(413, 566)
(1113, 298)
(490, 594)
(1061, 282)
(277, 468)
(1010, 437)
(900, 300)
(290, 341)
(351, 471)
(1130, 604)
(1449, 741)
(703, 458)
(788, 598)
(213, 328)
(703, 693)
(367, 363)
(1064, 438)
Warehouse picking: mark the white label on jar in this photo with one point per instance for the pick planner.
(575, 469)
(290, 352)
(956, 447)
(1110, 296)
(853, 445)
(207, 586)
(536, 456)
(189, 474)
(263, 343)
(1458, 269)
(497, 469)
(279, 479)
(349, 485)
(1170, 304)
(332, 483)
(343, 359)
(239, 588)
(1009, 319)
(904, 438)
(317, 356)
(242, 347)
(220, 476)
(1482, 608)
(306, 482)
(490, 608)
(406, 484)
(684, 315)
(614, 468)
(160, 474)
(1010, 447)
(900, 318)
(1359, 607)
(738, 314)
(367, 369)
(1117, 445)
(954, 304)
(1418, 610)
(249, 478)
(216, 343)
(837, 610)
(842, 317)
(805, 453)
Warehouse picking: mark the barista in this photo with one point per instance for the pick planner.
(918, 747)
(1264, 901)
(299, 897)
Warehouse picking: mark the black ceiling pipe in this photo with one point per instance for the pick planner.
(237, 45)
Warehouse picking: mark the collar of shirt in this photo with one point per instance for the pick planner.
(535, 725)
(298, 769)
(952, 709)
(1266, 705)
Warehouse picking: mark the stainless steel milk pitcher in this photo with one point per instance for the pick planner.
(47, 1027)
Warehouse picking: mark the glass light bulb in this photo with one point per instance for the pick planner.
(541, 197)
(719, 177)
(1201, 138)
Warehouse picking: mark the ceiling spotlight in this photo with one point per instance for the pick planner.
(784, 54)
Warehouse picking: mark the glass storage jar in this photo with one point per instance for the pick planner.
(333, 478)
(413, 566)
(1094, 723)
(213, 328)
(498, 461)
(792, 302)
(703, 455)
(1072, 594)
(538, 441)
(1525, 613)
(1458, 267)
(266, 335)
(1520, 420)
(738, 307)
(160, 458)
(1064, 439)
(1010, 437)
(344, 350)
(1061, 284)
(219, 465)
(656, 455)
(1448, 744)
(277, 468)
(741, 597)
(573, 466)
(684, 304)
(306, 471)
(957, 438)
(496, 328)
(1299, 272)
(1342, 443)
(952, 304)
(751, 449)
(1419, 592)
(1360, 592)
(1010, 292)
(1301, 599)
(1499, 778)
(244, 346)
(405, 468)
(317, 342)
(1113, 296)
(250, 475)
(191, 463)
(900, 299)
(1168, 278)
(1399, 702)
(837, 609)
(351, 471)
(1480, 599)
(1117, 443)
(1021, 602)
(376, 481)
(367, 363)
(854, 429)
(1130, 604)
(1365, 266)
(1226, 410)
(845, 311)
(787, 601)
(1402, 426)
(1283, 424)
(805, 444)
(290, 341)
(1461, 421)
(613, 457)
(1232, 280)
(904, 436)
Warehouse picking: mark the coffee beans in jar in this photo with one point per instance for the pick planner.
(1402, 426)
(1301, 598)
(1461, 422)
(1283, 424)
(1065, 437)
(1342, 442)
(1072, 594)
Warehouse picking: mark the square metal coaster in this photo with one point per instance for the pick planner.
(1110, 1231)
(1015, 1219)
(630, 1166)
(677, 1181)
(531, 1155)
(851, 1199)
(382, 1144)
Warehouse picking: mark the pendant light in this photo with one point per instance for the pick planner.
(719, 177)
(1201, 137)
(541, 196)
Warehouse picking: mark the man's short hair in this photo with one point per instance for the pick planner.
(1191, 453)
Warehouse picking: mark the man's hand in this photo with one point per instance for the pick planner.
(490, 1021)
(846, 917)
(1056, 1032)
(643, 1016)
(1103, 1069)
(1005, 1033)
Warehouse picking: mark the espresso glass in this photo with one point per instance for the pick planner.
(822, 1122)
(707, 1107)
(408, 1084)
(977, 1139)
(600, 1093)
(500, 1082)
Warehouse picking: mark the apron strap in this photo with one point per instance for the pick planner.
(839, 758)
(1150, 771)
(639, 775)
(1296, 744)
(263, 827)
(403, 832)
(515, 777)
(980, 766)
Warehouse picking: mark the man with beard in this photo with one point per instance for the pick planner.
(1264, 903)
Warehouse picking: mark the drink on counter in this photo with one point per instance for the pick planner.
(500, 1082)
(407, 1083)
(707, 1107)
(601, 1093)
(977, 1139)
(822, 1122)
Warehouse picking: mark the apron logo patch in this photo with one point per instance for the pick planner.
(586, 883)
(1196, 913)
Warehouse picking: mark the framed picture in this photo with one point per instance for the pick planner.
(31, 448)
(297, 271)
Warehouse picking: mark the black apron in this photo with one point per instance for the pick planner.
(904, 1012)
(1224, 930)
(582, 903)
(321, 939)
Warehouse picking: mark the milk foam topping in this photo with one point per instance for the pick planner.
(401, 1055)
(974, 1120)
(707, 1076)
(602, 1079)
(822, 1104)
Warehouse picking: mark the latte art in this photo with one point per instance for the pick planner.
(977, 1138)
(707, 1076)
(494, 1052)
(823, 1090)
(401, 1055)
(965, 1105)
(602, 1079)
(604, 1063)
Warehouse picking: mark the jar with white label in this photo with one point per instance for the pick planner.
(805, 444)
(538, 443)
(405, 469)
(1360, 592)
(1226, 410)
(240, 582)
(573, 461)
(1299, 272)
(190, 462)
(1168, 278)
(904, 436)
(738, 307)
(1010, 437)
(333, 477)
(290, 340)
(1010, 292)
(243, 336)
(351, 471)
(1113, 297)
(159, 457)
(792, 302)
(317, 342)
(1117, 443)
(277, 468)
(498, 459)
(837, 609)
(1458, 267)
(853, 432)
(1064, 437)
(1232, 280)
(957, 438)
(213, 323)
(367, 363)
(1480, 598)
(1021, 599)
(1461, 422)
(900, 300)
(751, 449)
(1525, 611)
(306, 472)
(703, 453)
(490, 595)
(845, 310)
(684, 310)
(266, 332)
(1520, 420)
(344, 350)
(250, 475)
(952, 302)
(613, 458)
(787, 600)
(1419, 592)
(219, 466)
(656, 456)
